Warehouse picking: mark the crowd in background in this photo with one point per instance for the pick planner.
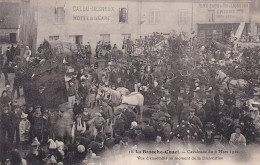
(185, 104)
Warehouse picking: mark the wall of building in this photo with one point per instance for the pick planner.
(9, 20)
(172, 16)
(5, 35)
(90, 19)
(231, 11)
(87, 18)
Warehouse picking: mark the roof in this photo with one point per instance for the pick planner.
(9, 15)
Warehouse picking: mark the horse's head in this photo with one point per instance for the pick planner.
(242, 83)
(103, 93)
(100, 93)
(220, 75)
(107, 94)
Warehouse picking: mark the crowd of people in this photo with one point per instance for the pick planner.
(186, 103)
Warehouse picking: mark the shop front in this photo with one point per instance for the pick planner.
(219, 20)
(220, 32)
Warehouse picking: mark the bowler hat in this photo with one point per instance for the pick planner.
(138, 127)
(237, 126)
(38, 106)
(190, 109)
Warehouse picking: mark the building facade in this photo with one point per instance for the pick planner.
(10, 13)
(255, 20)
(83, 21)
(218, 19)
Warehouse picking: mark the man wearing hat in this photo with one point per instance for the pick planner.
(36, 155)
(8, 89)
(99, 122)
(164, 129)
(6, 125)
(24, 128)
(120, 123)
(37, 121)
(148, 131)
(83, 91)
(107, 112)
(16, 121)
(139, 138)
(8, 54)
(109, 140)
(79, 127)
(170, 106)
(119, 82)
(194, 119)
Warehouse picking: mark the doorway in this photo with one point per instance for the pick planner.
(12, 37)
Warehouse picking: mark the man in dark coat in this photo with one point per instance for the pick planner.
(113, 75)
(17, 84)
(130, 117)
(1, 60)
(78, 108)
(12, 51)
(210, 109)
(83, 92)
(119, 83)
(40, 97)
(109, 141)
(18, 50)
(170, 107)
(164, 129)
(16, 121)
(8, 54)
(37, 124)
(194, 119)
(222, 108)
(140, 138)
(6, 125)
(148, 131)
(120, 123)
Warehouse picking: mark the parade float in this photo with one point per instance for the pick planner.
(43, 74)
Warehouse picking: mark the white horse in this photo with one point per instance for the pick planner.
(121, 90)
(116, 99)
(228, 82)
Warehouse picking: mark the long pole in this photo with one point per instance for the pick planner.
(140, 33)
(191, 39)
(192, 15)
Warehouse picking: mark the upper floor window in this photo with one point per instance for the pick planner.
(59, 15)
(154, 17)
(123, 15)
(211, 15)
(183, 17)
